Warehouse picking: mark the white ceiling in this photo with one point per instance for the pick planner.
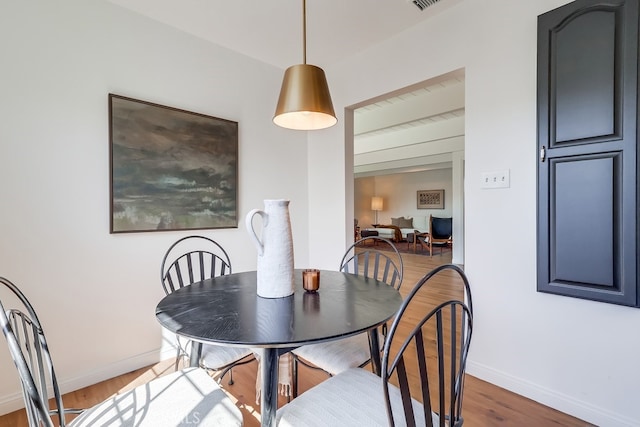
(414, 130)
(271, 30)
(409, 130)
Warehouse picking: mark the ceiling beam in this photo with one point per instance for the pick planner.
(417, 134)
(433, 101)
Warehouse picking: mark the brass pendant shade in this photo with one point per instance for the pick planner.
(305, 101)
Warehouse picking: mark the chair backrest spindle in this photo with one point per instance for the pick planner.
(30, 353)
(192, 259)
(440, 343)
(370, 261)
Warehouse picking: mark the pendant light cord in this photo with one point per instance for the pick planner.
(304, 31)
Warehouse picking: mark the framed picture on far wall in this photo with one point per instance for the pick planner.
(170, 169)
(431, 199)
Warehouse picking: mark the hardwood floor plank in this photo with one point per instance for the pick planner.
(484, 405)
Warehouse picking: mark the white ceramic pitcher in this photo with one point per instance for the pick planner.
(275, 250)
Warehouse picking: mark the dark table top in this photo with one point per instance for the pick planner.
(228, 310)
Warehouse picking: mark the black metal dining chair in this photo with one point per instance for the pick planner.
(166, 401)
(379, 261)
(432, 347)
(193, 259)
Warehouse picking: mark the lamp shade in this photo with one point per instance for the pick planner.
(376, 203)
(305, 101)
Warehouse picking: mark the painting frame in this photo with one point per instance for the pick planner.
(170, 169)
(430, 199)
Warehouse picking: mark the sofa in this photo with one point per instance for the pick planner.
(400, 227)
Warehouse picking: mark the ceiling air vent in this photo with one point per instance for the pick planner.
(423, 4)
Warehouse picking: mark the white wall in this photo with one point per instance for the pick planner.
(578, 356)
(96, 293)
(399, 193)
(363, 190)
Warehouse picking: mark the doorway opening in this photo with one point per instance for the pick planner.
(408, 141)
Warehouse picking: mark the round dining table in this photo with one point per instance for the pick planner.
(227, 310)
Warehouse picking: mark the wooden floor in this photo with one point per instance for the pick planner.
(484, 403)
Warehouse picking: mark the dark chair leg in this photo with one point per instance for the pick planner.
(230, 377)
(294, 386)
(177, 358)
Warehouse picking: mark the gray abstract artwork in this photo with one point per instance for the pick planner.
(171, 169)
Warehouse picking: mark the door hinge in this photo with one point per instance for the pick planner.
(543, 153)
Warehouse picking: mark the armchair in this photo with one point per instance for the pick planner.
(439, 235)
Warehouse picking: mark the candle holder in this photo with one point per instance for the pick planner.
(311, 279)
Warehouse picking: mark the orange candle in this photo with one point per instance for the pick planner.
(311, 279)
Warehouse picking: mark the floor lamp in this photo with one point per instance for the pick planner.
(376, 205)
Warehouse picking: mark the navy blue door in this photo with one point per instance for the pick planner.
(587, 145)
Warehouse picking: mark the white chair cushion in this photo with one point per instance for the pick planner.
(182, 398)
(218, 356)
(353, 398)
(337, 356)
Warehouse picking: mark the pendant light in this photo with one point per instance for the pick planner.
(305, 101)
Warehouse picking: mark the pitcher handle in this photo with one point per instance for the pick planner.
(252, 232)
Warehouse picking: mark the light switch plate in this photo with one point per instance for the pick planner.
(498, 179)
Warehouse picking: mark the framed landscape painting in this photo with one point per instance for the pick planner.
(431, 199)
(170, 169)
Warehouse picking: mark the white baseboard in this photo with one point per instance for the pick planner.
(10, 403)
(13, 402)
(561, 402)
